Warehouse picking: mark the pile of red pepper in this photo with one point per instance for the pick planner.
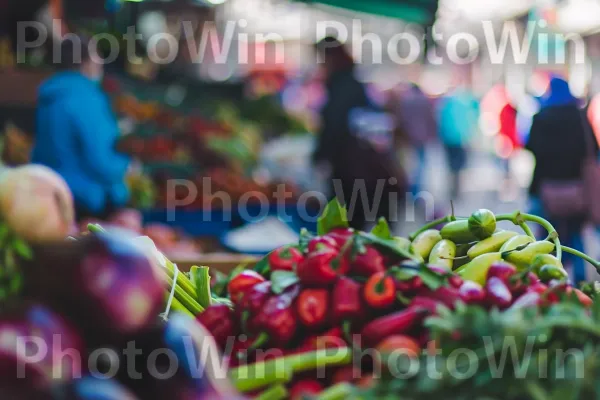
(339, 290)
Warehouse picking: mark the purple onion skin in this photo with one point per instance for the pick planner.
(102, 283)
(184, 338)
(26, 329)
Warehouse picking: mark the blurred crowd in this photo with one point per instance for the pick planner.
(363, 140)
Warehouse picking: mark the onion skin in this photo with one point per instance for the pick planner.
(189, 343)
(36, 203)
(102, 282)
(53, 333)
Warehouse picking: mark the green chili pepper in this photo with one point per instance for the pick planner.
(550, 272)
(482, 223)
(515, 242)
(424, 242)
(443, 254)
(458, 232)
(491, 244)
(477, 269)
(523, 258)
(544, 259)
(402, 243)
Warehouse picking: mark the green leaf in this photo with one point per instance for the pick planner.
(334, 216)
(22, 249)
(305, 238)
(281, 280)
(382, 230)
(430, 278)
(388, 245)
(406, 274)
(263, 267)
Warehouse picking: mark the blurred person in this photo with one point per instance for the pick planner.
(458, 119)
(416, 124)
(560, 138)
(350, 158)
(77, 132)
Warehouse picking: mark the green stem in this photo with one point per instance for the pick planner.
(527, 230)
(340, 391)
(182, 280)
(519, 218)
(184, 298)
(277, 392)
(96, 228)
(579, 254)
(201, 277)
(177, 306)
(248, 378)
(433, 224)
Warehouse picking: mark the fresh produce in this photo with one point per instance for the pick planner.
(36, 203)
(312, 308)
(240, 284)
(443, 254)
(490, 245)
(425, 241)
(285, 259)
(482, 224)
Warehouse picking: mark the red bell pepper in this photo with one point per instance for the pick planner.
(455, 281)
(241, 283)
(332, 339)
(220, 322)
(369, 263)
(472, 293)
(501, 270)
(399, 343)
(285, 259)
(448, 296)
(394, 324)
(312, 306)
(251, 305)
(346, 301)
(380, 291)
(341, 235)
(346, 374)
(277, 320)
(411, 286)
(322, 242)
(426, 303)
(323, 267)
(303, 389)
(497, 293)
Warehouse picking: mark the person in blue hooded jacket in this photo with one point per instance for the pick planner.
(77, 132)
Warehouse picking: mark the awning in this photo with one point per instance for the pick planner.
(415, 11)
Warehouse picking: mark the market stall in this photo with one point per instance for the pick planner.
(342, 314)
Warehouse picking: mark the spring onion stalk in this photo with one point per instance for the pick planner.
(182, 280)
(251, 377)
(201, 277)
(185, 299)
(340, 391)
(176, 306)
(277, 392)
(95, 228)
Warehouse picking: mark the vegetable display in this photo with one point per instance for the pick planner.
(401, 300)
(343, 314)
